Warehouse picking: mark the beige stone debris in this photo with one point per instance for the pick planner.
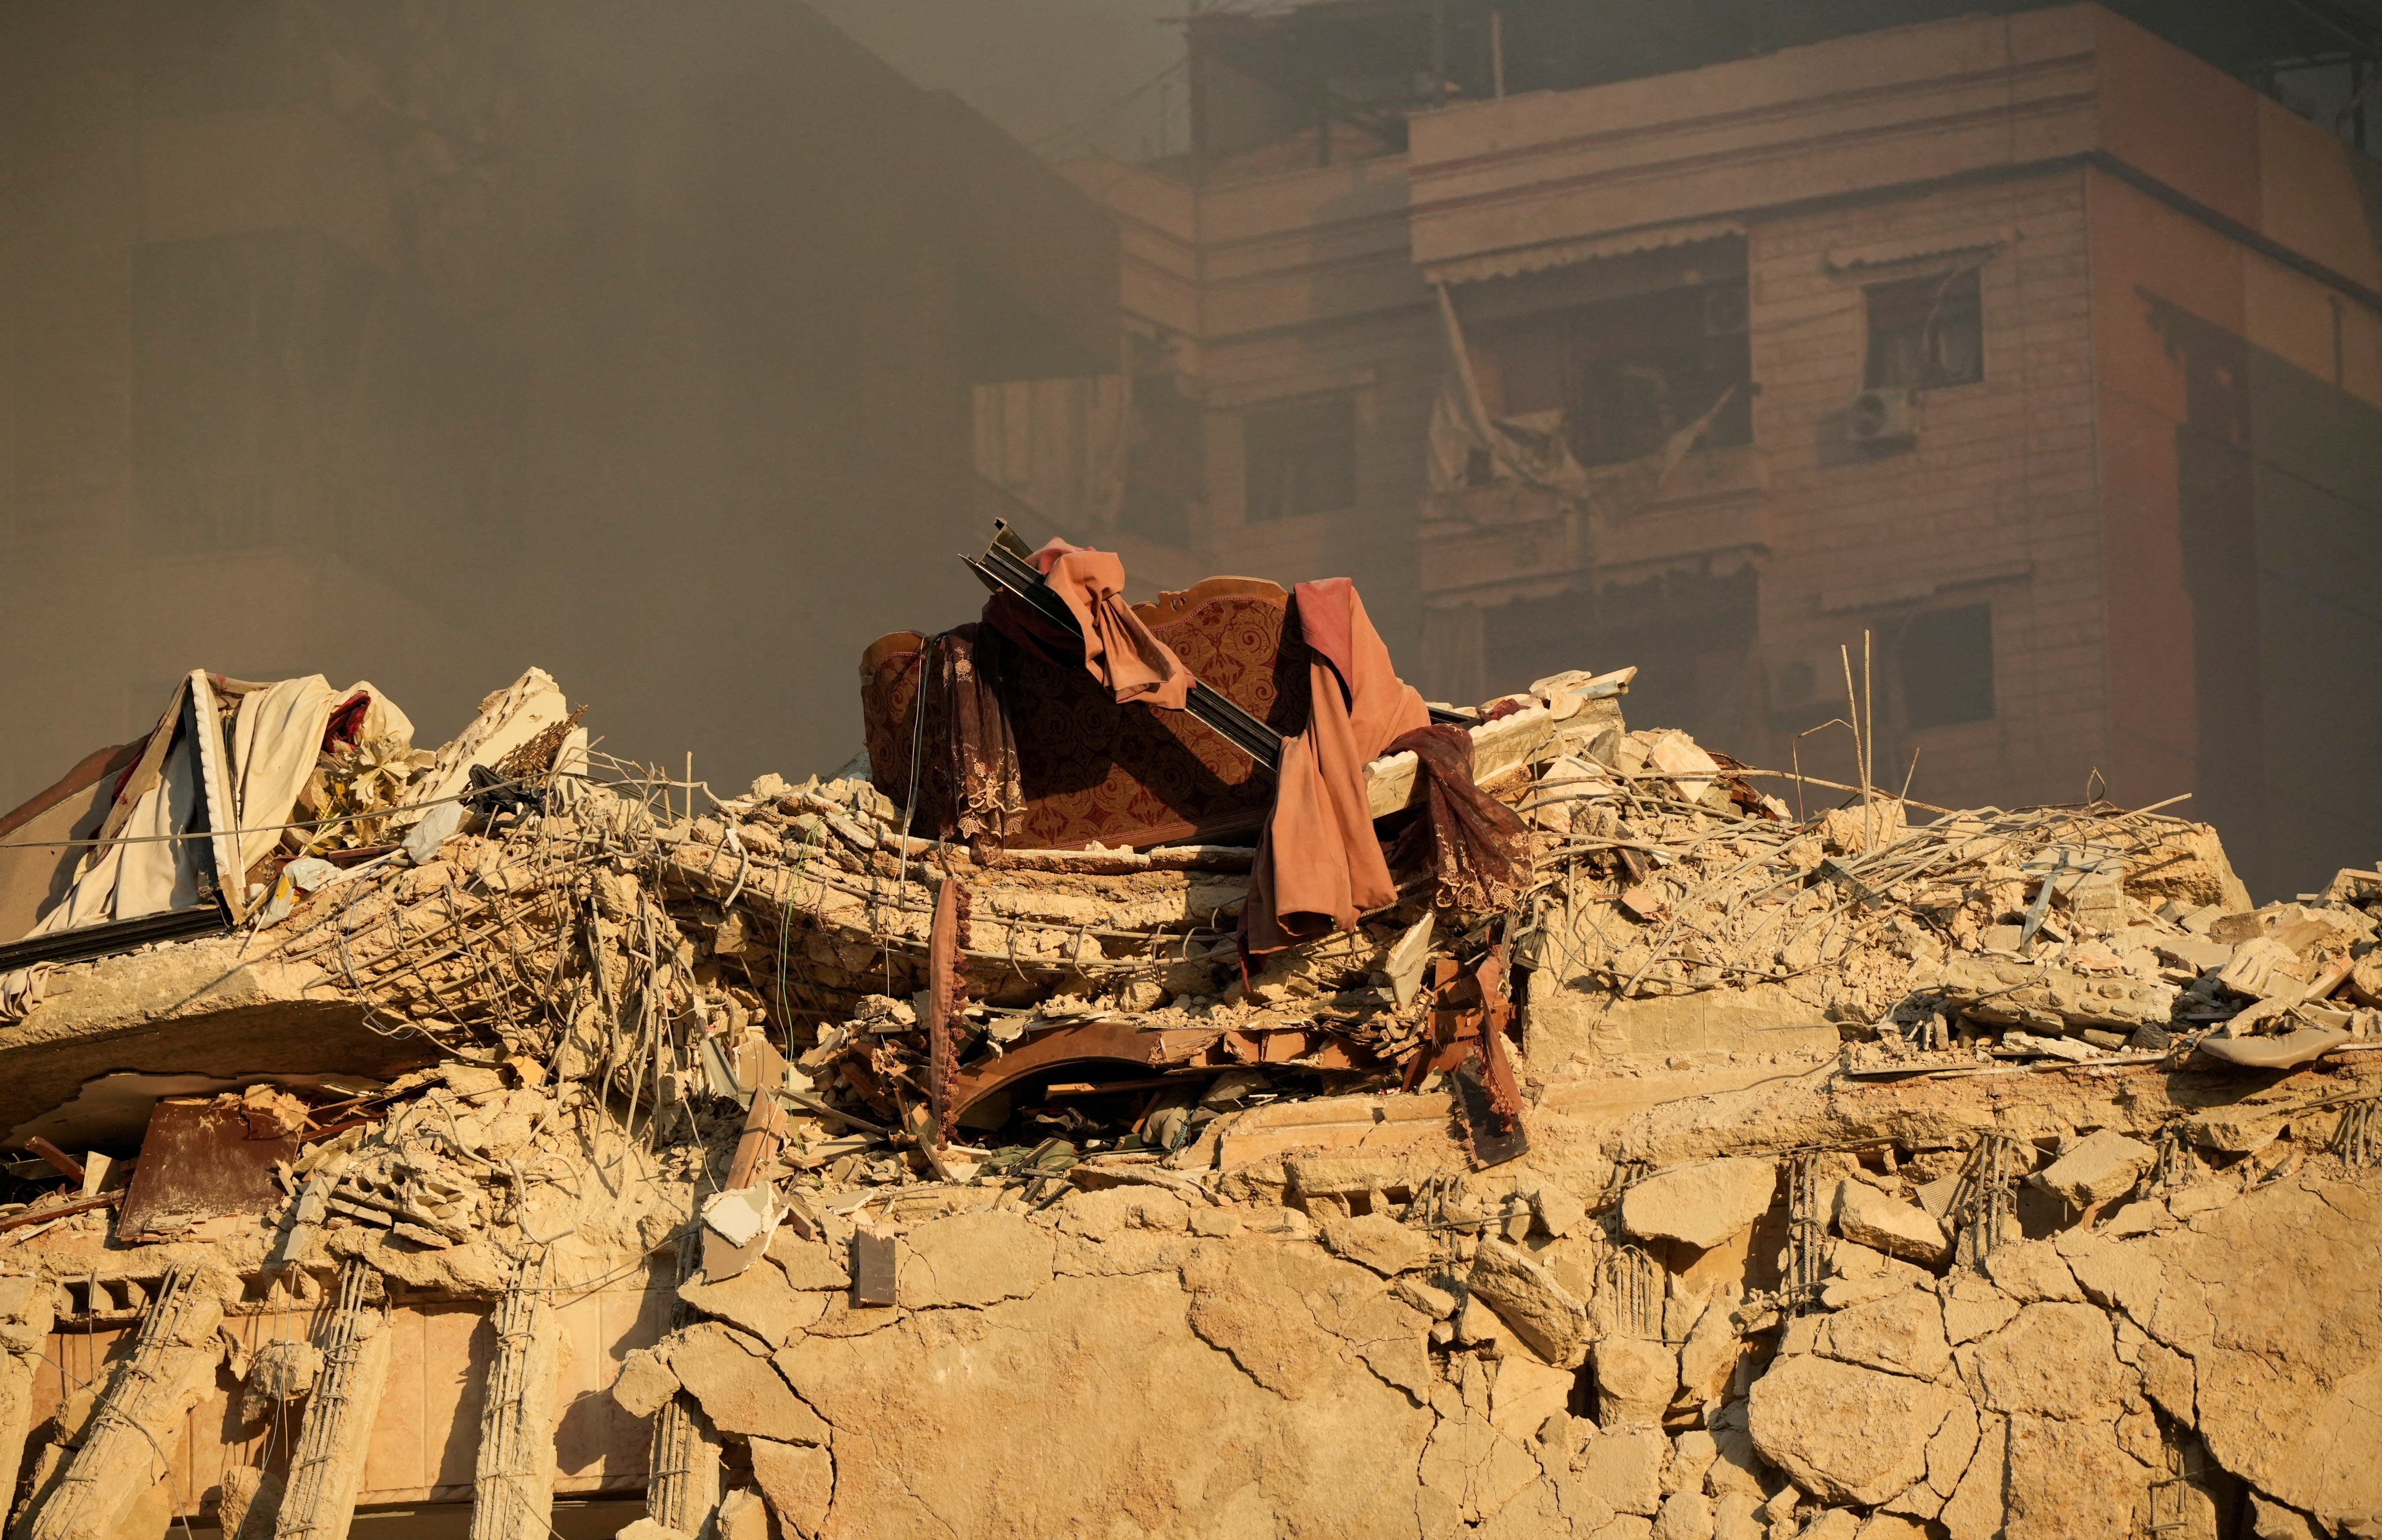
(1903, 1333)
(729, 1374)
(1635, 1380)
(1703, 1203)
(1868, 1218)
(644, 1384)
(1379, 1242)
(1525, 1296)
(1844, 1432)
(799, 1482)
(2103, 1166)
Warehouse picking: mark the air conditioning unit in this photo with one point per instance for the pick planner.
(1883, 416)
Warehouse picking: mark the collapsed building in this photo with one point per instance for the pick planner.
(1174, 1081)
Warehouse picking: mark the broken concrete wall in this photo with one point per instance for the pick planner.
(1867, 1177)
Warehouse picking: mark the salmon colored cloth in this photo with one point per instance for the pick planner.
(1118, 649)
(1318, 863)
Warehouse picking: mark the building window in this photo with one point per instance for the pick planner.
(1162, 464)
(1925, 334)
(1621, 376)
(1301, 458)
(1945, 660)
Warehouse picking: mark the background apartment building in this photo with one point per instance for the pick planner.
(2042, 347)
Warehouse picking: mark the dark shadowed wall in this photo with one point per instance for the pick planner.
(424, 344)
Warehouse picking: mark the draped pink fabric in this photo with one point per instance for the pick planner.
(1319, 864)
(1118, 649)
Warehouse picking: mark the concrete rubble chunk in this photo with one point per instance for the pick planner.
(250, 1505)
(1975, 1510)
(2236, 1297)
(1737, 1466)
(1846, 1433)
(799, 1482)
(2067, 1477)
(2171, 1379)
(1702, 1203)
(645, 1383)
(1525, 1393)
(2103, 1166)
(2272, 1521)
(757, 1300)
(1434, 1302)
(1733, 1516)
(2143, 1216)
(1109, 1212)
(2053, 1361)
(1635, 1380)
(1622, 1468)
(1902, 1333)
(1685, 1516)
(280, 1373)
(1559, 1214)
(1948, 1454)
(2233, 1129)
(1868, 1217)
(1708, 1358)
(1475, 1468)
(1377, 1242)
(744, 1514)
(809, 1265)
(2259, 966)
(1692, 1454)
(2031, 1271)
(2119, 1274)
(729, 1374)
(1973, 1308)
(1525, 1296)
(976, 1259)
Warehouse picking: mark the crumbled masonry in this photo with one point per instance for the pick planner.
(759, 1166)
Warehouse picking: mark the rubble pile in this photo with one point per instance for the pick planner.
(774, 1166)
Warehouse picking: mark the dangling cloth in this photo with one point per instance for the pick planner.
(1118, 649)
(1319, 865)
(1473, 844)
(969, 787)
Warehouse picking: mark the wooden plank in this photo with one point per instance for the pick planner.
(1497, 747)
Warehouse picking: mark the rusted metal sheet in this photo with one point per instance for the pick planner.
(1088, 1042)
(1493, 1139)
(946, 994)
(197, 1161)
(59, 1160)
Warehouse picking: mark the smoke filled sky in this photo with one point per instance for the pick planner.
(1061, 76)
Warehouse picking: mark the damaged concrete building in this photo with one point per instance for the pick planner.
(2044, 341)
(1176, 1082)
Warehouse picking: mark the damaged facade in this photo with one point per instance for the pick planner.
(1361, 1117)
(2045, 342)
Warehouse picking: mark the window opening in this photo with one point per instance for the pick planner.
(1301, 458)
(1624, 374)
(1945, 660)
(1926, 334)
